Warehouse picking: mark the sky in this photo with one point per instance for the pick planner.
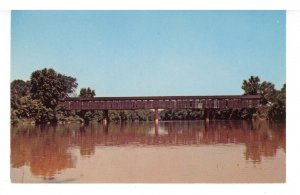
(152, 53)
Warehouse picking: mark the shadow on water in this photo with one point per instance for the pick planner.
(45, 148)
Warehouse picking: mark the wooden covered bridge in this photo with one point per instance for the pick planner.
(161, 102)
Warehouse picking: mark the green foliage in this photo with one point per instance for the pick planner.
(251, 86)
(28, 107)
(67, 116)
(267, 92)
(224, 114)
(87, 115)
(131, 115)
(247, 113)
(38, 98)
(123, 115)
(278, 109)
(197, 114)
(87, 93)
(114, 115)
(275, 100)
(48, 86)
(281, 96)
(18, 89)
(277, 112)
(166, 114)
(97, 115)
(181, 114)
(33, 109)
(45, 115)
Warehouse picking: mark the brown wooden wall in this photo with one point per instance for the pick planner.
(236, 102)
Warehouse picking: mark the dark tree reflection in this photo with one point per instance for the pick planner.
(41, 149)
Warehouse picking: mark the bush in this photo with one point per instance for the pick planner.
(277, 112)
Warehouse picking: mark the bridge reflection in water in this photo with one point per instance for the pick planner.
(46, 150)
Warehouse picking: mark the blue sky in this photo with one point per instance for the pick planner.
(140, 53)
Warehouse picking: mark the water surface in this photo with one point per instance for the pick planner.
(170, 152)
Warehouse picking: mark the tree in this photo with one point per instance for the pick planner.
(123, 115)
(34, 109)
(267, 92)
(18, 89)
(86, 114)
(278, 109)
(251, 86)
(277, 112)
(281, 97)
(49, 86)
(87, 93)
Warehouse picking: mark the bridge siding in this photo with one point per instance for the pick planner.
(165, 102)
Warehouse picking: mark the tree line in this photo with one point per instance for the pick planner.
(37, 100)
(272, 105)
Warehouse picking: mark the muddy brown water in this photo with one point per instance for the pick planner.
(142, 152)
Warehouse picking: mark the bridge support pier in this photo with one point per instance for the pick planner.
(156, 116)
(105, 117)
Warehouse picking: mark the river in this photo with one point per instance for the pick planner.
(142, 152)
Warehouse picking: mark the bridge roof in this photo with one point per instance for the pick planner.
(163, 98)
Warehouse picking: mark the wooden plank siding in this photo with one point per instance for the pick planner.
(161, 102)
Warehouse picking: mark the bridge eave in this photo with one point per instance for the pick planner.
(254, 97)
